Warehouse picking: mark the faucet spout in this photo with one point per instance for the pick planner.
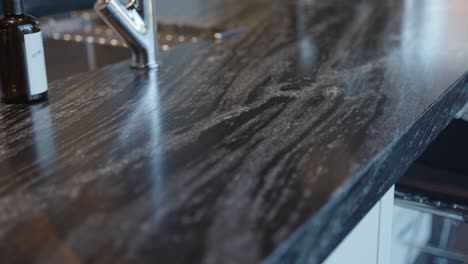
(140, 33)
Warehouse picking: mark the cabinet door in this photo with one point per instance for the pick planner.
(369, 242)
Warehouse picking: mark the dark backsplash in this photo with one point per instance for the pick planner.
(40, 8)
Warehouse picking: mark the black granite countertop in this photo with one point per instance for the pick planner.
(268, 146)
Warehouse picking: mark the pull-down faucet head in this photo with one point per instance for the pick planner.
(139, 32)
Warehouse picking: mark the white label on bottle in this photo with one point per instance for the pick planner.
(35, 63)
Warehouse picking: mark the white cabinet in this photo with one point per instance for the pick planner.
(463, 114)
(370, 241)
(411, 231)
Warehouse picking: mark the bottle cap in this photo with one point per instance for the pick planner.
(13, 7)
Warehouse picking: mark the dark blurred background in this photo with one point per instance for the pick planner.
(40, 8)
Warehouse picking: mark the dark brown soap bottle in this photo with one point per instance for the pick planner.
(23, 77)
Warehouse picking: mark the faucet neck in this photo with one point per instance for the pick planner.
(140, 33)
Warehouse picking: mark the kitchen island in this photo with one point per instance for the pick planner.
(269, 146)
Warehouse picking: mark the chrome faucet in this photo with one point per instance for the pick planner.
(139, 32)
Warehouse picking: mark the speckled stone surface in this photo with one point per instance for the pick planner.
(267, 147)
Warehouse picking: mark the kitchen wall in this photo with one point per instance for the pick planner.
(40, 8)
